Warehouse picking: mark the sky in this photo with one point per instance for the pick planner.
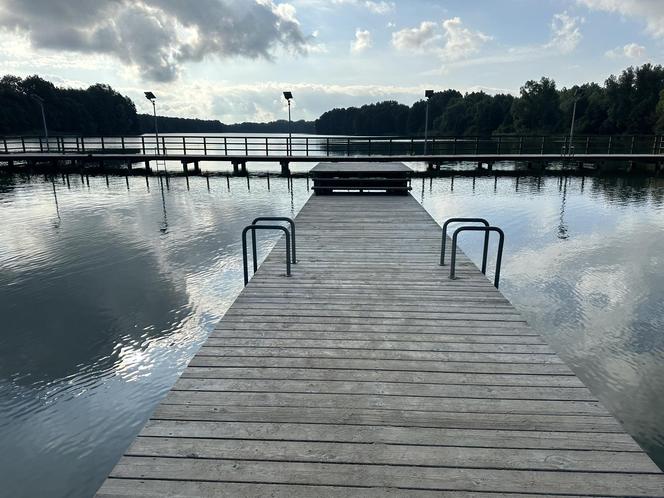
(232, 59)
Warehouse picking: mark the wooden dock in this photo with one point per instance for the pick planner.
(369, 373)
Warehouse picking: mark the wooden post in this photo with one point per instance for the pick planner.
(163, 145)
(327, 146)
(143, 145)
(205, 146)
(225, 147)
(267, 150)
(246, 147)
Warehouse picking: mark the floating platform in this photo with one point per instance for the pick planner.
(369, 373)
(391, 178)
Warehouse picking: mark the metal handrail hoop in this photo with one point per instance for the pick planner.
(253, 228)
(499, 256)
(273, 218)
(465, 220)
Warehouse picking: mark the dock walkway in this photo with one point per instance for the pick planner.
(369, 373)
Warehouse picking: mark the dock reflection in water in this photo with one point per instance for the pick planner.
(108, 289)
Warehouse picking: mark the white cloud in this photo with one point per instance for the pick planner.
(631, 51)
(155, 37)
(566, 34)
(422, 37)
(451, 40)
(361, 42)
(650, 11)
(376, 7)
(460, 42)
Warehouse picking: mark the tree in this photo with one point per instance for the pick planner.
(538, 108)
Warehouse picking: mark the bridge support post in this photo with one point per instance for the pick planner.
(479, 165)
(489, 165)
(197, 167)
(285, 170)
(185, 167)
(239, 167)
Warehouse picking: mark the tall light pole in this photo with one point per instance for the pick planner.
(152, 98)
(289, 148)
(40, 101)
(571, 130)
(428, 94)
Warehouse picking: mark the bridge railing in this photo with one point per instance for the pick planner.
(335, 145)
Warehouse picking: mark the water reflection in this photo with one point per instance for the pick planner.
(107, 290)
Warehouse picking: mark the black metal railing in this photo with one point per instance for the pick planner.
(273, 218)
(304, 146)
(465, 220)
(253, 227)
(486, 230)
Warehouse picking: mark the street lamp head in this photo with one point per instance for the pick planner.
(288, 95)
(428, 93)
(150, 96)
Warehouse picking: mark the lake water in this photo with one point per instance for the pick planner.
(108, 289)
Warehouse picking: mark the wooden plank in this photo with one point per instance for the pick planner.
(222, 411)
(386, 434)
(402, 477)
(393, 454)
(115, 488)
(370, 373)
(443, 378)
(384, 388)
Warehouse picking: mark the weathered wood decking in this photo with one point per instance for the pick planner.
(369, 373)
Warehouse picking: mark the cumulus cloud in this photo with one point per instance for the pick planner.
(566, 34)
(361, 42)
(630, 51)
(451, 40)
(377, 7)
(650, 11)
(157, 36)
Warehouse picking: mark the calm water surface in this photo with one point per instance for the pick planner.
(107, 291)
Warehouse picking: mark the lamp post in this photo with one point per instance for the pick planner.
(152, 98)
(289, 148)
(40, 101)
(570, 148)
(428, 94)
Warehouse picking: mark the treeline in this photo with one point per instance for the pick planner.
(97, 109)
(631, 103)
(168, 124)
(100, 110)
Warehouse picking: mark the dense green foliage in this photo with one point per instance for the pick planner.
(96, 110)
(190, 125)
(632, 103)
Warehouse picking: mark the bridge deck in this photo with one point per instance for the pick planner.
(369, 373)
